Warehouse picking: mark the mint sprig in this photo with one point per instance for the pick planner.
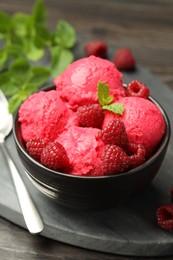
(105, 99)
(103, 94)
(21, 80)
(116, 108)
(25, 40)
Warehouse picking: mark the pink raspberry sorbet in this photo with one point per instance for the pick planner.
(84, 150)
(77, 85)
(143, 120)
(44, 114)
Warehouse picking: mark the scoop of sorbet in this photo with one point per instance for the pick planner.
(44, 114)
(143, 120)
(77, 85)
(84, 151)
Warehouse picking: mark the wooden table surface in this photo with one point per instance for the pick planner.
(146, 27)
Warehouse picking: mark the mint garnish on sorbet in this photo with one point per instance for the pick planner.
(105, 99)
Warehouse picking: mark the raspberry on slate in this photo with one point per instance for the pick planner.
(35, 147)
(124, 59)
(115, 160)
(137, 154)
(165, 216)
(90, 115)
(137, 88)
(55, 157)
(115, 133)
(97, 48)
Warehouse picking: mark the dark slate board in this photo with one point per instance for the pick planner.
(126, 230)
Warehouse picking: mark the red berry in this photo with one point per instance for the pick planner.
(97, 48)
(90, 115)
(137, 89)
(35, 147)
(115, 160)
(124, 59)
(137, 154)
(165, 216)
(55, 157)
(115, 133)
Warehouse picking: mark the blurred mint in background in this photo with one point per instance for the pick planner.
(25, 40)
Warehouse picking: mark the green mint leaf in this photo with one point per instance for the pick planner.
(42, 36)
(60, 59)
(65, 34)
(14, 102)
(3, 58)
(14, 51)
(38, 30)
(27, 90)
(103, 94)
(20, 72)
(5, 23)
(13, 39)
(20, 24)
(116, 108)
(109, 99)
(32, 52)
(40, 75)
(39, 13)
(6, 85)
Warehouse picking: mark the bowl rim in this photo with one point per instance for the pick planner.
(164, 142)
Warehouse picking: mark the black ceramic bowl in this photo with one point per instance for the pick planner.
(91, 192)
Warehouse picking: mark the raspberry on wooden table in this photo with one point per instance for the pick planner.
(97, 48)
(165, 216)
(136, 88)
(124, 59)
(115, 160)
(55, 157)
(35, 147)
(115, 133)
(90, 115)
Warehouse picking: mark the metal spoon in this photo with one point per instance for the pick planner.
(31, 215)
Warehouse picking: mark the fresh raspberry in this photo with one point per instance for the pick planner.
(137, 154)
(137, 89)
(55, 157)
(115, 160)
(165, 216)
(115, 133)
(124, 59)
(90, 115)
(97, 48)
(35, 147)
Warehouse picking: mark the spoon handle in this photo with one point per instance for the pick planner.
(31, 216)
